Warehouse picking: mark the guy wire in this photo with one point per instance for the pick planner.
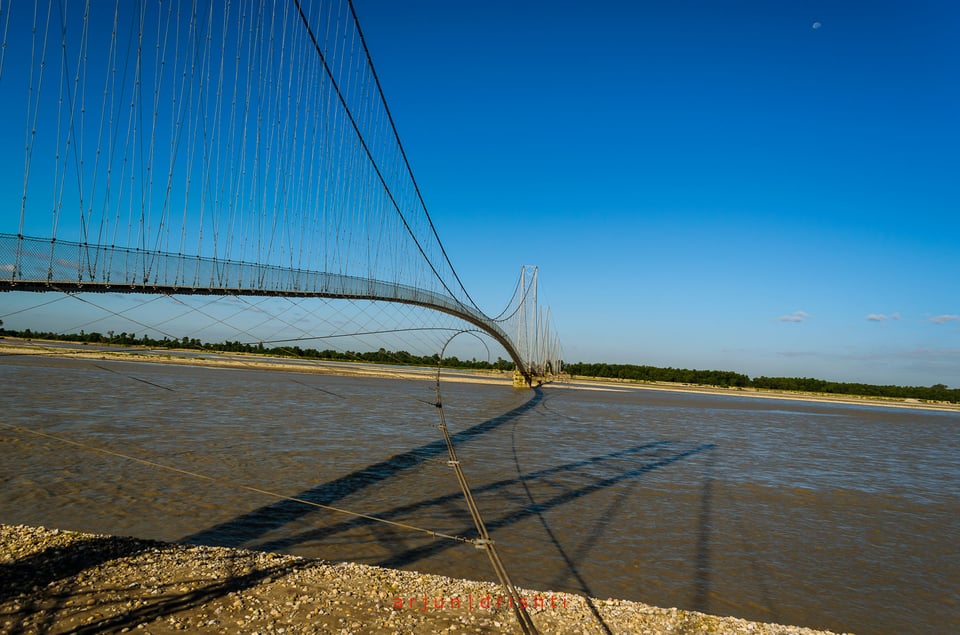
(484, 541)
(229, 483)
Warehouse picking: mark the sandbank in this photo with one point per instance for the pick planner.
(18, 346)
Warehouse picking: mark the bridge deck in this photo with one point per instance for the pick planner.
(39, 265)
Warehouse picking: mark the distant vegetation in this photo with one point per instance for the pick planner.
(653, 373)
(381, 356)
(631, 372)
(937, 392)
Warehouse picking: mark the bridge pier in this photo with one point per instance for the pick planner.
(520, 380)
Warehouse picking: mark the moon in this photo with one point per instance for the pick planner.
(816, 25)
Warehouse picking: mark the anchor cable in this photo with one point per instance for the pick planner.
(484, 542)
(230, 483)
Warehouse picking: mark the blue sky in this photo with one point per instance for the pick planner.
(766, 187)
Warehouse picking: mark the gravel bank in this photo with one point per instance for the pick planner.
(54, 581)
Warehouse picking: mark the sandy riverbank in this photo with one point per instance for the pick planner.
(759, 393)
(12, 346)
(54, 581)
(16, 346)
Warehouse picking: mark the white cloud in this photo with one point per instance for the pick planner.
(796, 316)
(880, 317)
(943, 319)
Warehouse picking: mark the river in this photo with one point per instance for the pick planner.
(844, 517)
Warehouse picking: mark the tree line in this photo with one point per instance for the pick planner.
(383, 356)
(729, 379)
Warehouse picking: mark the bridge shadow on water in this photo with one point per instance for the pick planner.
(556, 486)
(248, 527)
(533, 509)
(659, 455)
(578, 479)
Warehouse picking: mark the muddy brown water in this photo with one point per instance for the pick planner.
(833, 516)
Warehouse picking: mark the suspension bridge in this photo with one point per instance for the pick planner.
(234, 148)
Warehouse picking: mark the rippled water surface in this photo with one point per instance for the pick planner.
(831, 516)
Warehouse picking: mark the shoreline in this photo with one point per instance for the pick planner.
(64, 581)
(56, 348)
(761, 393)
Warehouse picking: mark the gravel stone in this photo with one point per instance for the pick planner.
(56, 581)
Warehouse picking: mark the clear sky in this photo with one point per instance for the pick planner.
(766, 187)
